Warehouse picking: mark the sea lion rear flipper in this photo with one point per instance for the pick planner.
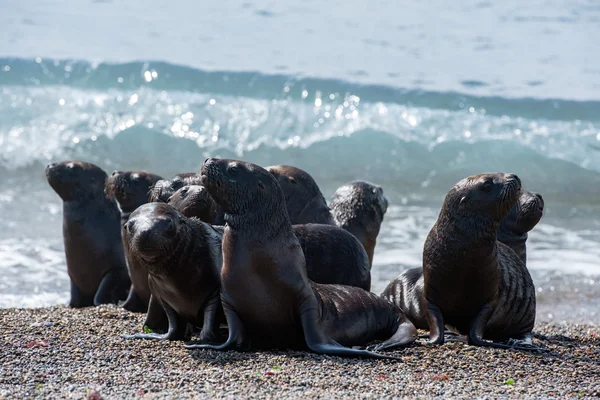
(134, 303)
(177, 328)
(475, 337)
(404, 335)
(209, 327)
(113, 287)
(78, 299)
(436, 324)
(317, 340)
(236, 332)
(156, 318)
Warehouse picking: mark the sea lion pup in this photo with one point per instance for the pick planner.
(130, 190)
(93, 248)
(183, 267)
(406, 291)
(165, 188)
(194, 201)
(359, 207)
(472, 282)
(304, 201)
(521, 219)
(265, 293)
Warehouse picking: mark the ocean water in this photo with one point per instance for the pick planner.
(412, 96)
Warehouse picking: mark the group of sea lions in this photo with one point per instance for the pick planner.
(258, 251)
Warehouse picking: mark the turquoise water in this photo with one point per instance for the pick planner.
(413, 97)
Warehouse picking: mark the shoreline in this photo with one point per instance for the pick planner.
(58, 352)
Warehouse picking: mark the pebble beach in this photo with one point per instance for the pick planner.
(58, 352)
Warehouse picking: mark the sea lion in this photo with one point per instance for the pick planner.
(304, 201)
(406, 291)
(265, 293)
(181, 259)
(165, 188)
(194, 201)
(521, 219)
(359, 208)
(93, 248)
(473, 283)
(130, 189)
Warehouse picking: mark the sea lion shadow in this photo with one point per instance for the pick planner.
(232, 357)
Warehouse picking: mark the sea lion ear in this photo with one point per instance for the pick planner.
(261, 185)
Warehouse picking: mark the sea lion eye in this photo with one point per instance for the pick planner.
(233, 170)
(487, 186)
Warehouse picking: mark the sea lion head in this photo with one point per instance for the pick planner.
(194, 201)
(300, 190)
(73, 180)
(524, 215)
(130, 189)
(359, 201)
(165, 188)
(153, 234)
(242, 189)
(489, 196)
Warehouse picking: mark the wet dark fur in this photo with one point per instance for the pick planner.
(359, 208)
(304, 201)
(406, 291)
(130, 189)
(178, 255)
(267, 298)
(472, 282)
(91, 233)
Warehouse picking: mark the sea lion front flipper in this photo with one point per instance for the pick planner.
(209, 327)
(404, 335)
(156, 318)
(236, 332)
(317, 340)
(177, 328)
(134, 303)
(436, 324)
(113, 287)
(78, 299)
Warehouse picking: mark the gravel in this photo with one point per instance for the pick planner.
(58, 352)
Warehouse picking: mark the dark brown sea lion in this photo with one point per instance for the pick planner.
(359, 207)
(165, 188)
(266, 296)
(407, 290)
(130, 189)
(304, 201)
(473, 283)
(182, 260)
(91, 234)
(194, 201)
